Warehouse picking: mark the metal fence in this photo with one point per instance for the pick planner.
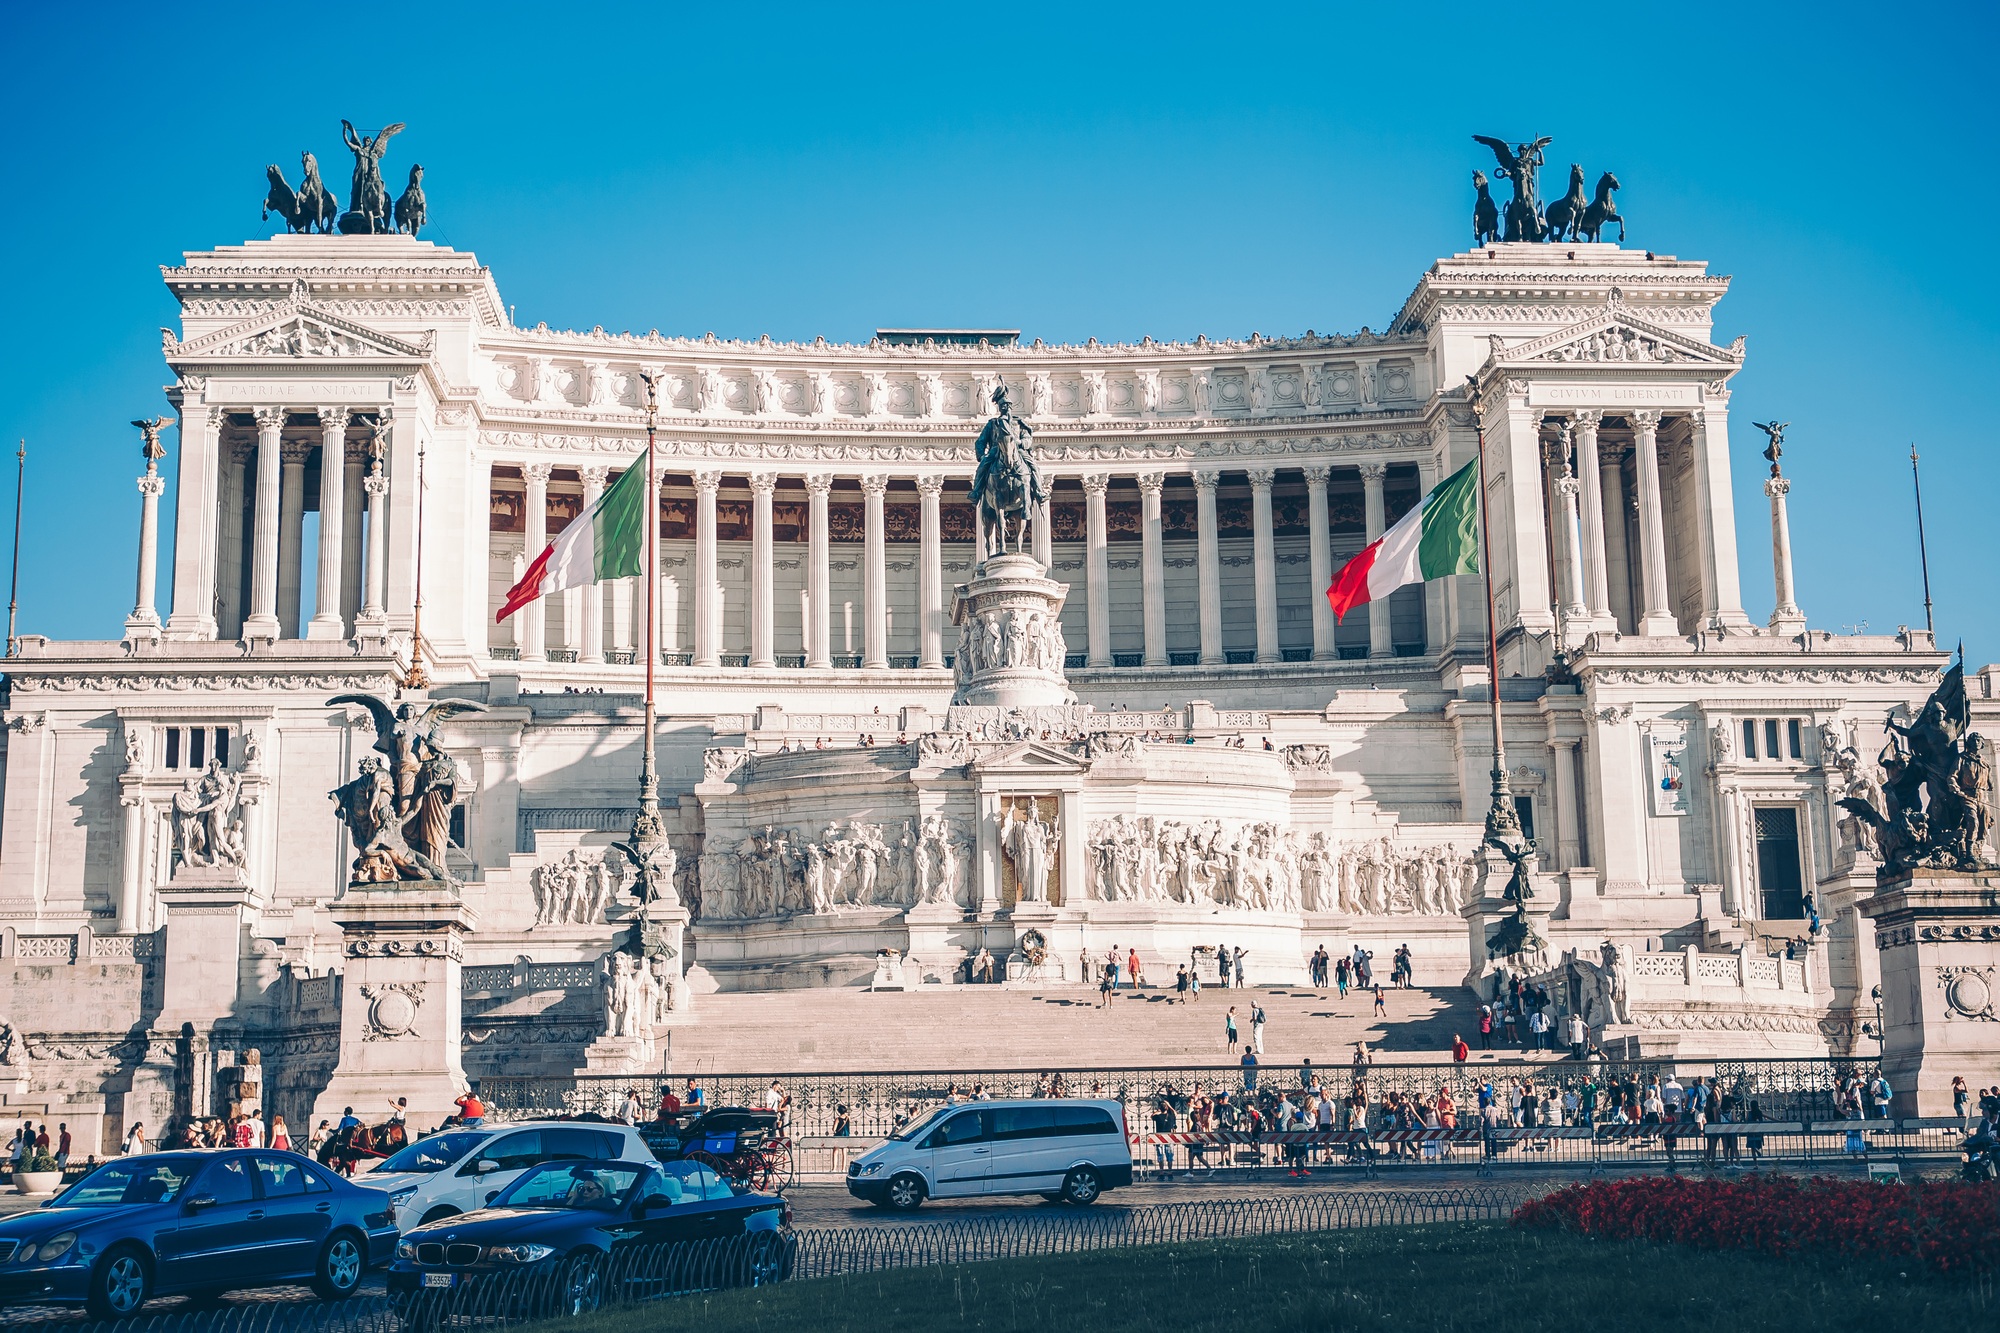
(875, 1104)
(655, 1272)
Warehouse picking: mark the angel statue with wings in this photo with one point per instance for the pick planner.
(400, 811)
(1521, 164)
(368, 205)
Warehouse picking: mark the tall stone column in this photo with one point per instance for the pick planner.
(262, 622)
(1590, 503)
(291, 537)
(1152, 570)
(144, 622)
(1721, 584)
(1576, 615)
(592, 647)
(1526, 550)
(327, 622)
(1208, 564)
(1562, 759)
(874, 575)
(707, 626)
(1319, 528)
(197, 487)
(1655, 616)
(535, 526)
(819, 652)
(1264, 550)
(1041, 531)
(351, 532)
(763, 598)
(1617, 549)
(1786, 618)
(1097, 571)
(930, 574)
(1375, 512)
(373, 621)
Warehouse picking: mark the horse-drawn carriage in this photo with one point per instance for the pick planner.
(345, 1148)
(741, 1143)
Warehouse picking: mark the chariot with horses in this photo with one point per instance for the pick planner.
(347, 1148)
(741, 1143)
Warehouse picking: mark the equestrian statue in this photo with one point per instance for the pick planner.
(1008, 482)
(1519, 164)
(1574, 217)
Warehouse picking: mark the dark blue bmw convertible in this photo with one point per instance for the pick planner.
(202, 1222)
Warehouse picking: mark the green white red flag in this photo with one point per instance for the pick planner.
(606, 542)
(1438, 537)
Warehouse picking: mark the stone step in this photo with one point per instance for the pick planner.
(996, 1027)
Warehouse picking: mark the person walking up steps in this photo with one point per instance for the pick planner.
(1229, 1028)
(1381, 1006)
(1180, 985)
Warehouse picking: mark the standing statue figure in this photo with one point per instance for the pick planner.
(1027, 845)
(150, 447)
(1520, 164)
(1007, 480)
(423, 784)
(368, 208)
(1775, 450)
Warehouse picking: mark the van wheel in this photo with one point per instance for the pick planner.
(438, 1214)
(905, 1192)
(1082, 1186)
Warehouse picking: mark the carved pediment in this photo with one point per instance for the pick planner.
(296, 329)
(1616, 335)
(1030, 757)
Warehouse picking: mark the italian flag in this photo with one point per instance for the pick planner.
(1439, 537)
(608, 542)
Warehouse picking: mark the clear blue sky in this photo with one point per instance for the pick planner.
(1072, 170)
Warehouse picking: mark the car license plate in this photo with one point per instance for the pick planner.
(440, 1279)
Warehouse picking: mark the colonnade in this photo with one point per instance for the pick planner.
(818, 607)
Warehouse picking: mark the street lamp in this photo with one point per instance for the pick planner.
(1875, 1029)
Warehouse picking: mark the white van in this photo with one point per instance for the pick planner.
(462, 1169)
(1054, 1147)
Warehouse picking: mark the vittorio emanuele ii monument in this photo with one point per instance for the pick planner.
(896, 723)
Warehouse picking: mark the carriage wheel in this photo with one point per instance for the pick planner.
(781, 1167)
(729, 1168)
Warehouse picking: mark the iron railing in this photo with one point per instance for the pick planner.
(876, 1103)
(643, 1273)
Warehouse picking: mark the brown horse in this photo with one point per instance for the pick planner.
(349, 1146)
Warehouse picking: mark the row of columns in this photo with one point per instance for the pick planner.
(707, 638)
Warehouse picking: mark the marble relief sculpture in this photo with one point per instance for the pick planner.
(776, 872)
(576, 890)
(208, 824)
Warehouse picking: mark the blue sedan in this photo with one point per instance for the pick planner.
(202, 1222)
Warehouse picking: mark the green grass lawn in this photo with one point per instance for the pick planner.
(1480, 1277)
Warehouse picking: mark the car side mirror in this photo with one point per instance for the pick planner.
(200, 1201)
(486, 1166)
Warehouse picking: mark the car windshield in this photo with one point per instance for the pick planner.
(434, 1153)
(601, 1186)
(918, 1128)
(128, 1181)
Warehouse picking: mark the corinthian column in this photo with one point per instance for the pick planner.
(1152, 570)
(930, 574)
(1786, 618)
(819, 649)
(373, 620)
(1375, 514)
(707, 627)
(1319, 526)
(1655, 617)
(763, 607)
(1097, 571)
(262, 622)
(535, 523)
(1264, 553)
(144, 622)
(1208, 565)
(592, 647)
(327, 622)
(874, 575)
(1590, 502)
(291, 537)
(1576, 615)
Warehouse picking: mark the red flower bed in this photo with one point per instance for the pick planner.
(1947, 1227)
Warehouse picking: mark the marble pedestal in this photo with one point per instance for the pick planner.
(399, 1001)
(1010, 640)
(1489, 916)
(1938, 937)
(206, 909)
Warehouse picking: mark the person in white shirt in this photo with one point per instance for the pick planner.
(135, 1142)
(257, 1139)
(629, 1112)
(774, 1098)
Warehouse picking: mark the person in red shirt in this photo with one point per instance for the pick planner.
(670, 1105)
(1459, 1050)
(471, 1111)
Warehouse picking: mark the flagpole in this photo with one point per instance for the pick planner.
(1923, 553)
(14, 591)
(415, 678)
(1503, 825)
(648, 778)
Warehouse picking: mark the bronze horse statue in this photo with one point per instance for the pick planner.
(1485, 213)
(1007, 482)
(279, 199)
(308, 209)
(1565, 215)
(1601, 210)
